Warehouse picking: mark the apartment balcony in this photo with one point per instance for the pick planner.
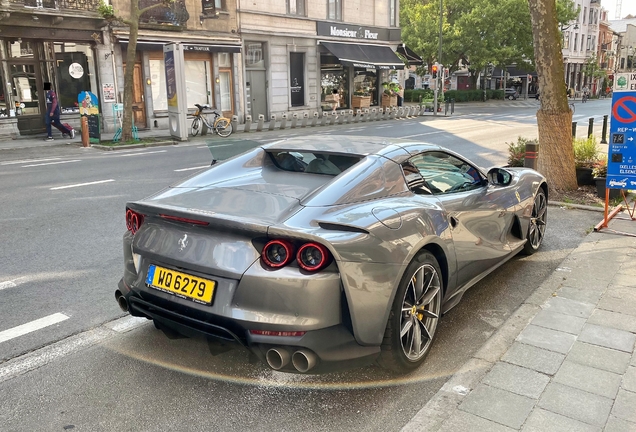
(51, 5)
(173, 16)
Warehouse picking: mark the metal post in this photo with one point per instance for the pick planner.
(604, 136)
(452, 106)
(532, 155)
(590, 127)
(573, 129)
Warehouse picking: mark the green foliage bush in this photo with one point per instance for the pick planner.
(517, 152)
(414, 95)
(586, 152)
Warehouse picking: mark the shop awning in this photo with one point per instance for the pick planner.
(364, 56)
(410, 56)
(187, 46)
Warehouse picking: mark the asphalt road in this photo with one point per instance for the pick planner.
(61, 259)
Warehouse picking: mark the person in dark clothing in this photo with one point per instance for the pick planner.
(52, 116)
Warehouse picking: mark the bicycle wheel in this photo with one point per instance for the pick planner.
(223, 127)
(196, 126)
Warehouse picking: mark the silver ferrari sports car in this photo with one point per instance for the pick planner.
(326, 252)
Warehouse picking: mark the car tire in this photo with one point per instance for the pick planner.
(414, 315)
(538, 223)
(511, 97)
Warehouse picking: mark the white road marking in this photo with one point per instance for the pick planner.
(51, 163)
(219, 145)
(193, 168)
(32, 326)
(7, 284)
(426, 133)
(138, 154)
(27, 161)
(82, 184)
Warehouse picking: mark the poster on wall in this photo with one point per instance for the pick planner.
(89, 107)
(108, 92)
(171, 81)
(296, 73)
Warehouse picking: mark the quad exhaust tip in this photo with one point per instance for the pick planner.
(304, 360)
(121, 301)
(277, 358)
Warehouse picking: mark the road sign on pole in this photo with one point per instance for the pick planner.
(621, 158)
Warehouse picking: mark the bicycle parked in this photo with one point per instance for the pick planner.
(220, 125)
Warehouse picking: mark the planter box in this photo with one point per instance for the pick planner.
(389, 101)
(600, 188)
(360, 101)
(584, 176)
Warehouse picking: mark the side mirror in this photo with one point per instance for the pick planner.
(499, 177)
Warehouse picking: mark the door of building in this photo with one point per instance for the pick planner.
(139, 105)
(26, 85)
(257, 92)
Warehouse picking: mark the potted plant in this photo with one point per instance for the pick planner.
(599, 172)
(389, 94)
(361, 99)
(517, 152)
(586, 153)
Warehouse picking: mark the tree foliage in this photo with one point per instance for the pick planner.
(477, 32)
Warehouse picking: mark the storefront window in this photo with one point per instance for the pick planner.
(197, 75)
(365, 82)
(4, 112)
(75, 66)
(25, 92)
(22, 49)
(226, 91)
(333, 76)
(158, 85)
(254, 55)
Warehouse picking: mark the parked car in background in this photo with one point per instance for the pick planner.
(511, 94)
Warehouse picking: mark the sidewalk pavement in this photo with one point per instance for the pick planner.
(564, 361)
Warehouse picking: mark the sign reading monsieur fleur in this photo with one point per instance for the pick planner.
(621, 162)
(352, 32)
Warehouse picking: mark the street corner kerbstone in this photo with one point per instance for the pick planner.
(576, 404)
(629, 380)
(546, 338)
(531, 357)
(615, 320)
(558, 321)
(615, 424)
(569, 307)
(589, 379)
(608, 337)
(516, 379)
(580, 295)
(498, 405)
(542, 420)
(625, 406)
(599, 357)
(461, 421)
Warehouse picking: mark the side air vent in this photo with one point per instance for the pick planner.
(338, 227)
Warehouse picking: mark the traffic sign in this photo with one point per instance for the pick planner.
(621, 160)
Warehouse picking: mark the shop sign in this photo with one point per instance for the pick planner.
(621, 167)
(203, 48)
(76, 70)
(357, 32)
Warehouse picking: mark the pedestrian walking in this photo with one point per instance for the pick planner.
(52, 117)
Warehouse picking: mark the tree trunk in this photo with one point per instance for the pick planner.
(131, 57)
(554, 118)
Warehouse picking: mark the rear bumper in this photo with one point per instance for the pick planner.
(335, 347)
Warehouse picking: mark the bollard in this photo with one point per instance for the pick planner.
(332, 119)
(374, 114)
(532, 155)
(590, 127)
(340, 117)
(446, 106)
(314, 120)
(573, 129)
(272, 122)
(248, 123)
(365, 115)
(325, 118)
(283, 121)
(259, 125)
(304, 121)
(235, 122)
(452, 105)
(604, 137)
(356, 119)
(294, 120)
(349, 116)
(86, 142)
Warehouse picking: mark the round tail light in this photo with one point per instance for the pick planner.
(313, 257)
(278, 253)
(133, 220)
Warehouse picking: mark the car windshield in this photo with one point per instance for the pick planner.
(313, 162)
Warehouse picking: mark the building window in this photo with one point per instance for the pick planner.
(576, 40)
(296, 7)
(582, 42)
(393, 13)
(211, 7)
(334, 10)
(566, 40)
(75, 73)
(297, 78)
(197, 76)
(254, 55)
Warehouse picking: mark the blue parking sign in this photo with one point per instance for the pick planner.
(621, 160)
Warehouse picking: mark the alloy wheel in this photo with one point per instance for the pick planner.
(538, 220)
(420, 312)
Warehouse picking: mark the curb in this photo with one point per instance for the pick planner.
(576, 206)
(132, 146)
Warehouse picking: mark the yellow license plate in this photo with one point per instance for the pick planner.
(182, 284)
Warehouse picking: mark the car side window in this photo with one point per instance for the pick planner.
(444, 173)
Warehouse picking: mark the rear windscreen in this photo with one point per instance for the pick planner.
(313, 162)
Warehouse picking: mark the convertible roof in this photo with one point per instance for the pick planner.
(354, 145)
